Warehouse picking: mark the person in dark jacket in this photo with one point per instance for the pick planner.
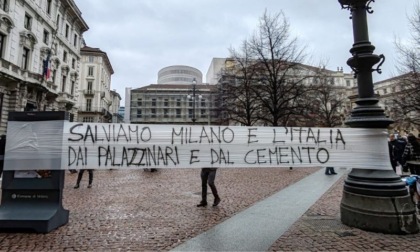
(412, 153)
(396, 150)
(208, 175)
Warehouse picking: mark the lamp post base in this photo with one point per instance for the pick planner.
(378, 201)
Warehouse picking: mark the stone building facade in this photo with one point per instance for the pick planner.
(180, 97)
(96, 101)
(344, 84)
(174, 103)
(39, 56)
(388, 90)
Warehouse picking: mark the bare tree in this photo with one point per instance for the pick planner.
(408, 99)
(277, 56)
(238, 83)
(327, 100)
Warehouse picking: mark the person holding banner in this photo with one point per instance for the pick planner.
(79, 178)
(208, 175)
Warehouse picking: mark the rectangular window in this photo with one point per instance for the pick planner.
(67, 31)
(73, 63)
(190, 102)
(75, 40)
(166, 103)
(58, 23)
(203, 113)
(203, 102)
(54, 72)
(88, 105)
(154, 102)
(90, 59)
(178, 113)
(153, 113)
(190, 113)
(49, 6)
(139, 113)
(64, 56)
(46, 37)
(89, 87)
(90, 71)
(2, 44)
(1, 105)
(63, 84)
(4, 5)
(72, 88)
(178, 102)
(25, 58)
(347, 83)
(27, 22)
(166, 113)
(139, 102)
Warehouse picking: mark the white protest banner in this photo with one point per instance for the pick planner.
(137, 146)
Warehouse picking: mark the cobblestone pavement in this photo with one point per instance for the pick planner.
(133, 210)
(320, 229)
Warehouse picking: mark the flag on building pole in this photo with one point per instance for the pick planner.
(46, 71)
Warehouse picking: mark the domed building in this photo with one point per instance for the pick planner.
(179, 74)
(179, 97)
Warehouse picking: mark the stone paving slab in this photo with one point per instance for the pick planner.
(320, 229)
(259, 226)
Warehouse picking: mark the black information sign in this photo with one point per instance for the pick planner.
(33, 203)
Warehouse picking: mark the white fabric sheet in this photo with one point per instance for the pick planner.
(54, 145)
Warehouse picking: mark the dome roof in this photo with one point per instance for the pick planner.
(179, 74)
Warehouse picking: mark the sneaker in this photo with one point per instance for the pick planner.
(76, 186)
(202, 204)
(89, 186)
(216, 201)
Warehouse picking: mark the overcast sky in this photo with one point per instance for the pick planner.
(143, 36)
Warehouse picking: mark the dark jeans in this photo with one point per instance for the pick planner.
(79, 177)
(329, 170)
(208, 176)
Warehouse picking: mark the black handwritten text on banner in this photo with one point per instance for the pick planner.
(134, 146)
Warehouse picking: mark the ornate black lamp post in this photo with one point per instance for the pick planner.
(193, 99)
(373, 200)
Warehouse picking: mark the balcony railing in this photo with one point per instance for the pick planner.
(88, 92)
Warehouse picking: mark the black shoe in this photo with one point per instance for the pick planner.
(202, 204)
(89, 186)
(76, 186)
(216, 201)
(333, 173)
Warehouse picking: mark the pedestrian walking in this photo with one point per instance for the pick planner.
(208, 176)
(79, 178)
(396, 150)
(330, 171)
